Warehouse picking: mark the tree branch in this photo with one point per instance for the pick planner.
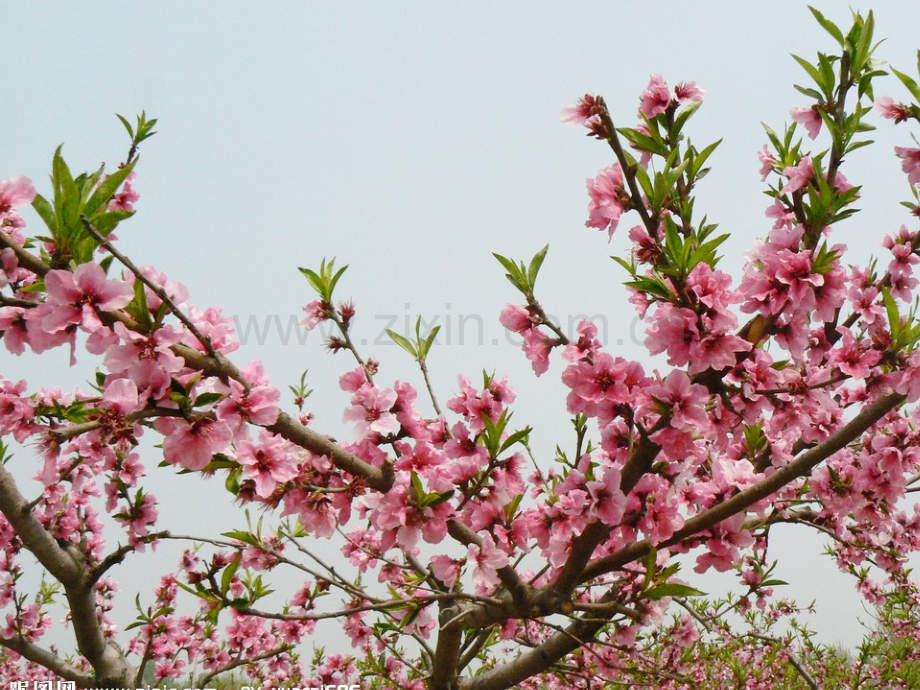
(67, 566)
(49, 660)
(556, 647)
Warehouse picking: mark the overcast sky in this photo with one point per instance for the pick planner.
(411, 140)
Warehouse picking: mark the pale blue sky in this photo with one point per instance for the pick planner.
(411, 140)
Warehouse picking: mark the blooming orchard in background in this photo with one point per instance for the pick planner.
(785, 396)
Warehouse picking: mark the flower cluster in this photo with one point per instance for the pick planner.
(464, 541)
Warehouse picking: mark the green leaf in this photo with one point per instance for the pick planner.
(811, 93)
(515, 438)
(644, 142)
(66, 200)
(227, 577)
(700, 158)
(643, 179)
(514, 273)
(651, 563)
(828, 26)
(207, 399)
(137, 308)
(105, 221)
(425, 345)
(436, 498)
(219, 461)
(313, 279)
(534, 267)
(815, 74)
(245, 537)
(685, 114)
(418, 488)
(127, 126)
(909, 83)
(46, 213)
(335, 279)
(106, 189)
(403, 343)
(232, 482)
(630, 267)
(672, 589)
(325, 281)
(655, 287)
(863, 50)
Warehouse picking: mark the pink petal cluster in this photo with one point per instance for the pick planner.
(656, 98)
(609, 199)
(810, 118)
(536, 345)
(890, 110)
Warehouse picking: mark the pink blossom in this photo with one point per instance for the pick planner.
(810, 118)
(656, 98)
(14, 192)
(516, 318)
(910, 162)
(798, 175)
(586, 345)
(887, 108)
(354, 380)
(16, 410)
(145, 359)
(217, 328)
(585, 112)
(608, 503)
(784, 217)
(258, 405)
(673, 329)
(598, 386)
(192, 445)
(371, 411)
(446, 569)
(476, 405)
(537, 348)
(767, 161)
(14, 327)
(314, 511)
(127, 197)
(646, 249)
(138, 519)
(486, 559)
(77, 297)
(271, 462)
(685, 632)
(909, 384)
(609, 199)
(714, 290)
(688, 91)
(684, 401)
(121, 395)
(716, 351)
(317, 312)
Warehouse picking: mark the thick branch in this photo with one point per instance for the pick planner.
(25, 258)
(556, 647)
(639, 462)
(49, 660)
(215, 364)
(799, 467)
(61, 563)
(66, 565)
